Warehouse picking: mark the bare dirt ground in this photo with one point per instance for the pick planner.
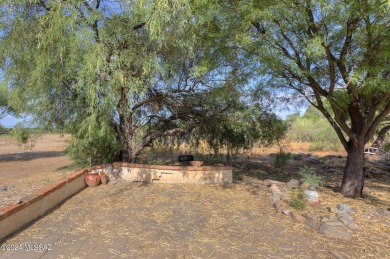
(23, 171)
(133, 220)
(206, 221)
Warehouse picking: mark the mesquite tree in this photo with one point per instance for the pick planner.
(118, 74)
(336, 51)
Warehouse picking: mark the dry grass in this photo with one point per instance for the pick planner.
(187, 221)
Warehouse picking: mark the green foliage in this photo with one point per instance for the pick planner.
(309, 176)
(281, 160)
(120, 75)
(298, 200)
(94, 143)
(386, 147)
(313, 127)
(210, 159)
(25, 137)
(241, 128)
(238, 175)
(316, 50)
(5, 108)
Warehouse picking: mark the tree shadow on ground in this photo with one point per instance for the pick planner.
(260, 167)
(28, 156)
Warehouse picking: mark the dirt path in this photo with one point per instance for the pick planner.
(23, 171)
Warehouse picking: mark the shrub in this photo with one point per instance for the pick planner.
(309, 176)
(298, 200)
(280, 161)
(386, 147)
(237, 175)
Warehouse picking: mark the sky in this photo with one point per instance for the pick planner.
(9, 121)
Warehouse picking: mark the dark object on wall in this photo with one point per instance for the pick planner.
(185, 158)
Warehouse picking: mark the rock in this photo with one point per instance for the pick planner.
(285, 197)
(286, 212)
(384, 212)
(346, 208)
(334, 229)
(3, 188)
(269, 182)
(326, 218)
(348, 221)
(275, 197)
(297, 217)
(274, 189)
(18, 201)
(276, 205)
(293, 183)
(311, 219)
(283, 188)
(333, 210)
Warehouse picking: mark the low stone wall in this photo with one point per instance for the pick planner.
(168, 174)
(15, 216)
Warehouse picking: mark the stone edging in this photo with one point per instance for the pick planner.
(15, 216)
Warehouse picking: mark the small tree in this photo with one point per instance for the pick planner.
(338, 51)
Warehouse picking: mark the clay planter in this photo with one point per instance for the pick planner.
(196, 163)
(92, 180)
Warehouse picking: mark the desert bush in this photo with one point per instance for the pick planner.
(238, 175)
(309, 176)
(281, 159)
(386, 147)
(94, 144)
(25, 137)
(313, 127)
(298, 200)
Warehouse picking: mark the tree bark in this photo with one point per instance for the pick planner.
(353, 179)
(381, 137)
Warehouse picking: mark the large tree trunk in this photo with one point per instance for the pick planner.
(353, 179)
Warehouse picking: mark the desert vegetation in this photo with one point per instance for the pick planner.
(122, 76)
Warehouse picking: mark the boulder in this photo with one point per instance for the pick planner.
(311, 219)
(348, 221)
(269, 182)
(384, 212)
(345, 208)
(292, 184)
(274, 189)
(297, 217)
(276, 205)
(286, 212)
(275, 197)
(334, 229)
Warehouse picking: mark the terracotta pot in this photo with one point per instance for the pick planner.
(196, 163)
(92, 180)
